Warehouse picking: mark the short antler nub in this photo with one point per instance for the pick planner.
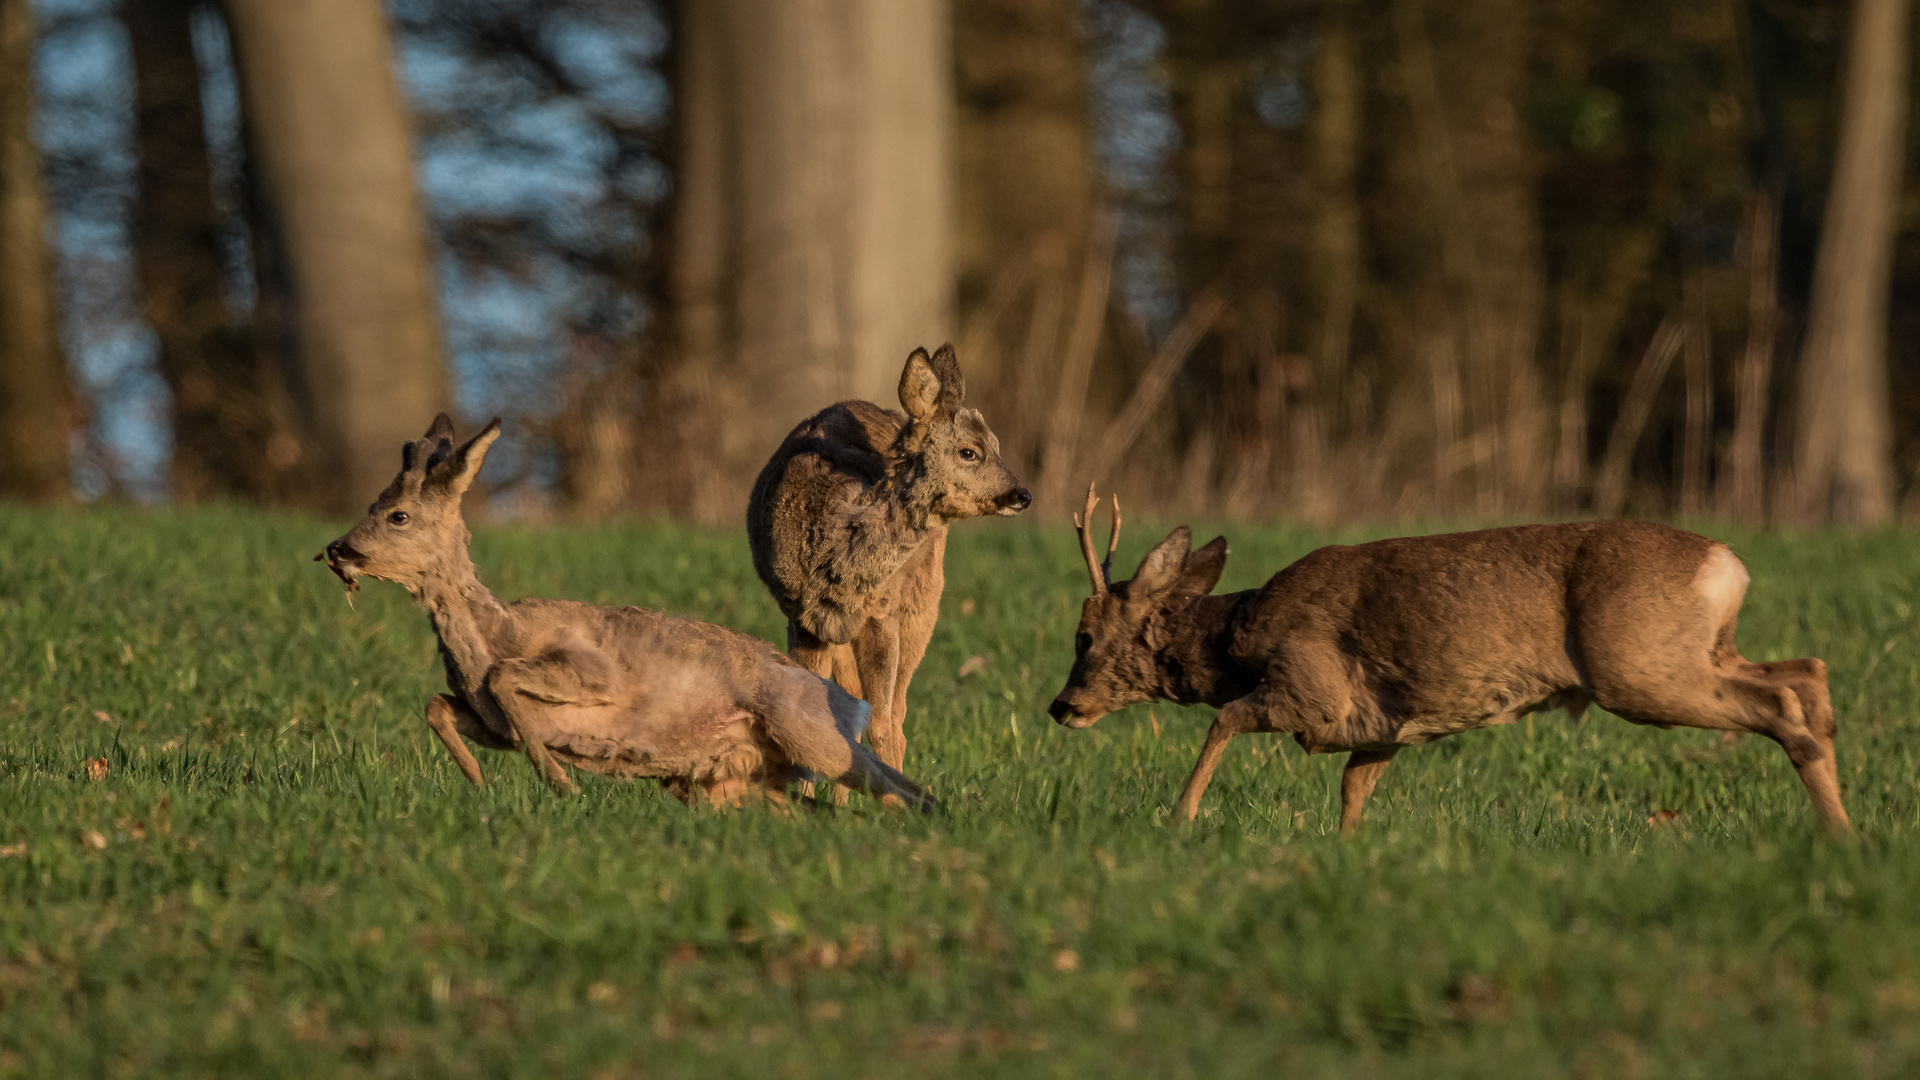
(1101, 572)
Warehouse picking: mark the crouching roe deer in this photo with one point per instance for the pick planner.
(1371, 648)
(848, 524)
(714, 715)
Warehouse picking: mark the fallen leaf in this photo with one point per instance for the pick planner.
(602, 992)
(105, 717)
(8, 851)
(1066, 960)
(1661, 817)
(966, 607)
(974, 665)
(97, 768)
(93, 839)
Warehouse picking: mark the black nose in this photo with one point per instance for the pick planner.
(340, 549)
(1059, 709)
(1018, 499)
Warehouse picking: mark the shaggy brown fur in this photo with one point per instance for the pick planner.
(626, 692)
(1371, 648)
(849, 529)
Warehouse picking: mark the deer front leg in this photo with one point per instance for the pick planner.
(1237, 718)
(877, 651)
(1356, 783)
(528, 687)
(919, 583)
(450, 718)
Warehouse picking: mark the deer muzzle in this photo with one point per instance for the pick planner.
(344, 560)
(1063, 714)
(1012, 502)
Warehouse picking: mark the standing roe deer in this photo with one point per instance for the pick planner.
(1399, 642)
(848, 524)
(710, 713)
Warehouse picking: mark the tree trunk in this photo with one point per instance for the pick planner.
(1240, 193)
(812, 248)
(220, 423)
(1337, 141)
(1464, 70)
(334, 168)
(1023, 154)
(1745, 489)
(1843, 470)
(34, 401)
(1024, 177)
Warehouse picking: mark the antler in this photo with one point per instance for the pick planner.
(1101, 572)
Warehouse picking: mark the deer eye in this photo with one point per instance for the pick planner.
(399, 517)
(968, 453)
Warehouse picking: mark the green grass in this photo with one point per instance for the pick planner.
(295, 880)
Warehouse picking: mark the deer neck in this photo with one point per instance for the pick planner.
(474, 628)
(1196, 665)
(904, 494)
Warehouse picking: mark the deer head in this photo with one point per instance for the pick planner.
(946, 451)
(1124, 625)
(416, 522)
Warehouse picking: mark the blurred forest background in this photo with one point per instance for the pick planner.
(1321, 259)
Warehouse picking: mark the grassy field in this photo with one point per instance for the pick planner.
(282, 873)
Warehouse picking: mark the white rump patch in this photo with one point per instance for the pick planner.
(1722, 584)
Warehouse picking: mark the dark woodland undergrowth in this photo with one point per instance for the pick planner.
(281, 873)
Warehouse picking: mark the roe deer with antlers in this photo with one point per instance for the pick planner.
(1370, 648)
(714, 715)
(848, 524)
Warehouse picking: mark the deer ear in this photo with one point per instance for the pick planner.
(1200, 572)
(441, 430)
(1160, 570)
(464, 464)
(953, 385)
(920, 387)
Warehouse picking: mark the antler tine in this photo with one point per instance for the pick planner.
(1113, 540)
(1083, 524)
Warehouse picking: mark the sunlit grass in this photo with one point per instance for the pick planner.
(282, 873)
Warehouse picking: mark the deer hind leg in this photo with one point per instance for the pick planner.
(816, 725)
(829, 661)
(1801, 685)
(875, 777)
(1356, 783)
(1745, 697)
(824, 659)
(450, 718)
(846, 671)
(876, 650)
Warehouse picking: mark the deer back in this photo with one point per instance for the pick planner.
(804, 499)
